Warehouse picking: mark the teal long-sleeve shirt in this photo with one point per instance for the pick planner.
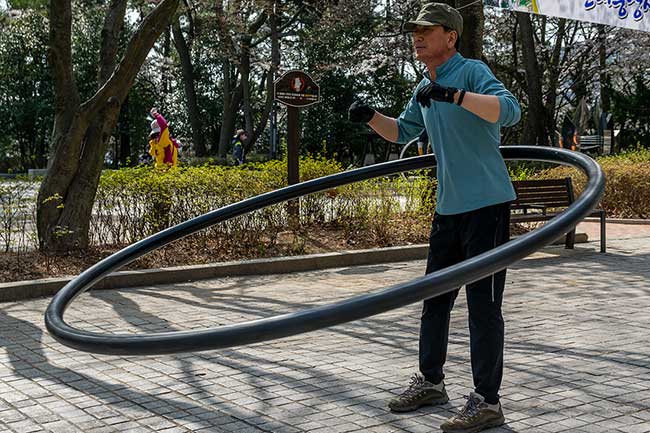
(471, 171)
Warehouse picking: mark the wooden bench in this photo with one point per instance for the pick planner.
(588, 143)
(541, 200)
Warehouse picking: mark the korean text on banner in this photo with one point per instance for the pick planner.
(631, 14)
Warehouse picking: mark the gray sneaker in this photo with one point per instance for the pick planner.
(419, 393)
(476, 416)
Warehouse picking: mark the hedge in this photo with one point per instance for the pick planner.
(133, 203)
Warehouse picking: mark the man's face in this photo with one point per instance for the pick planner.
(432, 43)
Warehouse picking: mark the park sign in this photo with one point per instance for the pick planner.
(631, 14)
(297, 89)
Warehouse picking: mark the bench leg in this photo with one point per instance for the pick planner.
(603, 247)
(570, 239)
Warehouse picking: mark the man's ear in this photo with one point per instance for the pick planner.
(453, 37)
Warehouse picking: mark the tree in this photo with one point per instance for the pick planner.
(81, 128)
(549, 64)
(353, 51)
(183, 48)
(537, 131)
(25, 93)
(631, 108)
(242, 27)
(471, 42)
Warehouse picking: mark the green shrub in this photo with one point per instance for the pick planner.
(133, 203)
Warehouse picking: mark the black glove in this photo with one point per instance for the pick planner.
(436, 92)
(360, 112)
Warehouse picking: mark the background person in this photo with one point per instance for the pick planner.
(163, 148)
(462, 106)
(238, 147)
(424, 148)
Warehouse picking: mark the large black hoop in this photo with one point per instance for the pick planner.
(354, 308)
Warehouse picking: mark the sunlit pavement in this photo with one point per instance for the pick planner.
(577, 354)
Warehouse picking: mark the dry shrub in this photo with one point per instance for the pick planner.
(627, 185)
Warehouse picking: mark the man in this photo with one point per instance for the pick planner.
(238, 147)
(462, 106)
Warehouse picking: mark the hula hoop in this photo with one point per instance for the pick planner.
(403, 152)
(320, 317)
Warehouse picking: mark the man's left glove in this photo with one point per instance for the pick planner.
(436, 92)
(360, 112)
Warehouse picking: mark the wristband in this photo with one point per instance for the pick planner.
(460, 98)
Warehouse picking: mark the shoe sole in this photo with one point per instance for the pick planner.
(494, 424)
(434, 402)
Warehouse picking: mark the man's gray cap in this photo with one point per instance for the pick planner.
(436, 14)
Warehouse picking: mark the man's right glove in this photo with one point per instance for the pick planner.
(360, 112)
(436, 92)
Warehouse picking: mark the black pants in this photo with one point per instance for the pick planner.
(453, 239)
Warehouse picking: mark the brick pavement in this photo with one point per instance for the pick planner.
(577, 355)
(614, 230)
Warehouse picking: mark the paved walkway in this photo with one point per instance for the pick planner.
(614, 231)
(577, 355)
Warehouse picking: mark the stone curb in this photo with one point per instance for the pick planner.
(14, 291)
(629, 221)
(20, 290)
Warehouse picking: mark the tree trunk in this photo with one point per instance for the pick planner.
(245, 70)
(231, 103)
(229, 80)
(81, 130)
(604, 76)
(553, 82)
(166, 87)
(123, 152)
(234, 96)
(227, 115)
(471, 41)
(535, 131)
(275, 62)
(187, 68)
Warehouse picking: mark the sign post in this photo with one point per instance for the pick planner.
(295, 89)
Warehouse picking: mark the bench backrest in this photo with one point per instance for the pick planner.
(591, 139)
(548, 193)
(591, 142)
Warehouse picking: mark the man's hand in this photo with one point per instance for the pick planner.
(436, 92)
(360, 112)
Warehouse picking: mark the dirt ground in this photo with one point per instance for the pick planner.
(32, 265)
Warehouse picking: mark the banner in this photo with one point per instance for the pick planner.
(631, 14)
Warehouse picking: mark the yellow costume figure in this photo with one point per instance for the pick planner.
(162, 147)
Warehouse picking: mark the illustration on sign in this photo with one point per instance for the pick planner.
(632, 14)
(296, 89)
(298, 84)
(519, 5)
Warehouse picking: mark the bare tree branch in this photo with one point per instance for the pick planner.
(136, 52)
(113, 24)
(66, 96)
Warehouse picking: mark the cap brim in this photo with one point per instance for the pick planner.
(409, 26)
